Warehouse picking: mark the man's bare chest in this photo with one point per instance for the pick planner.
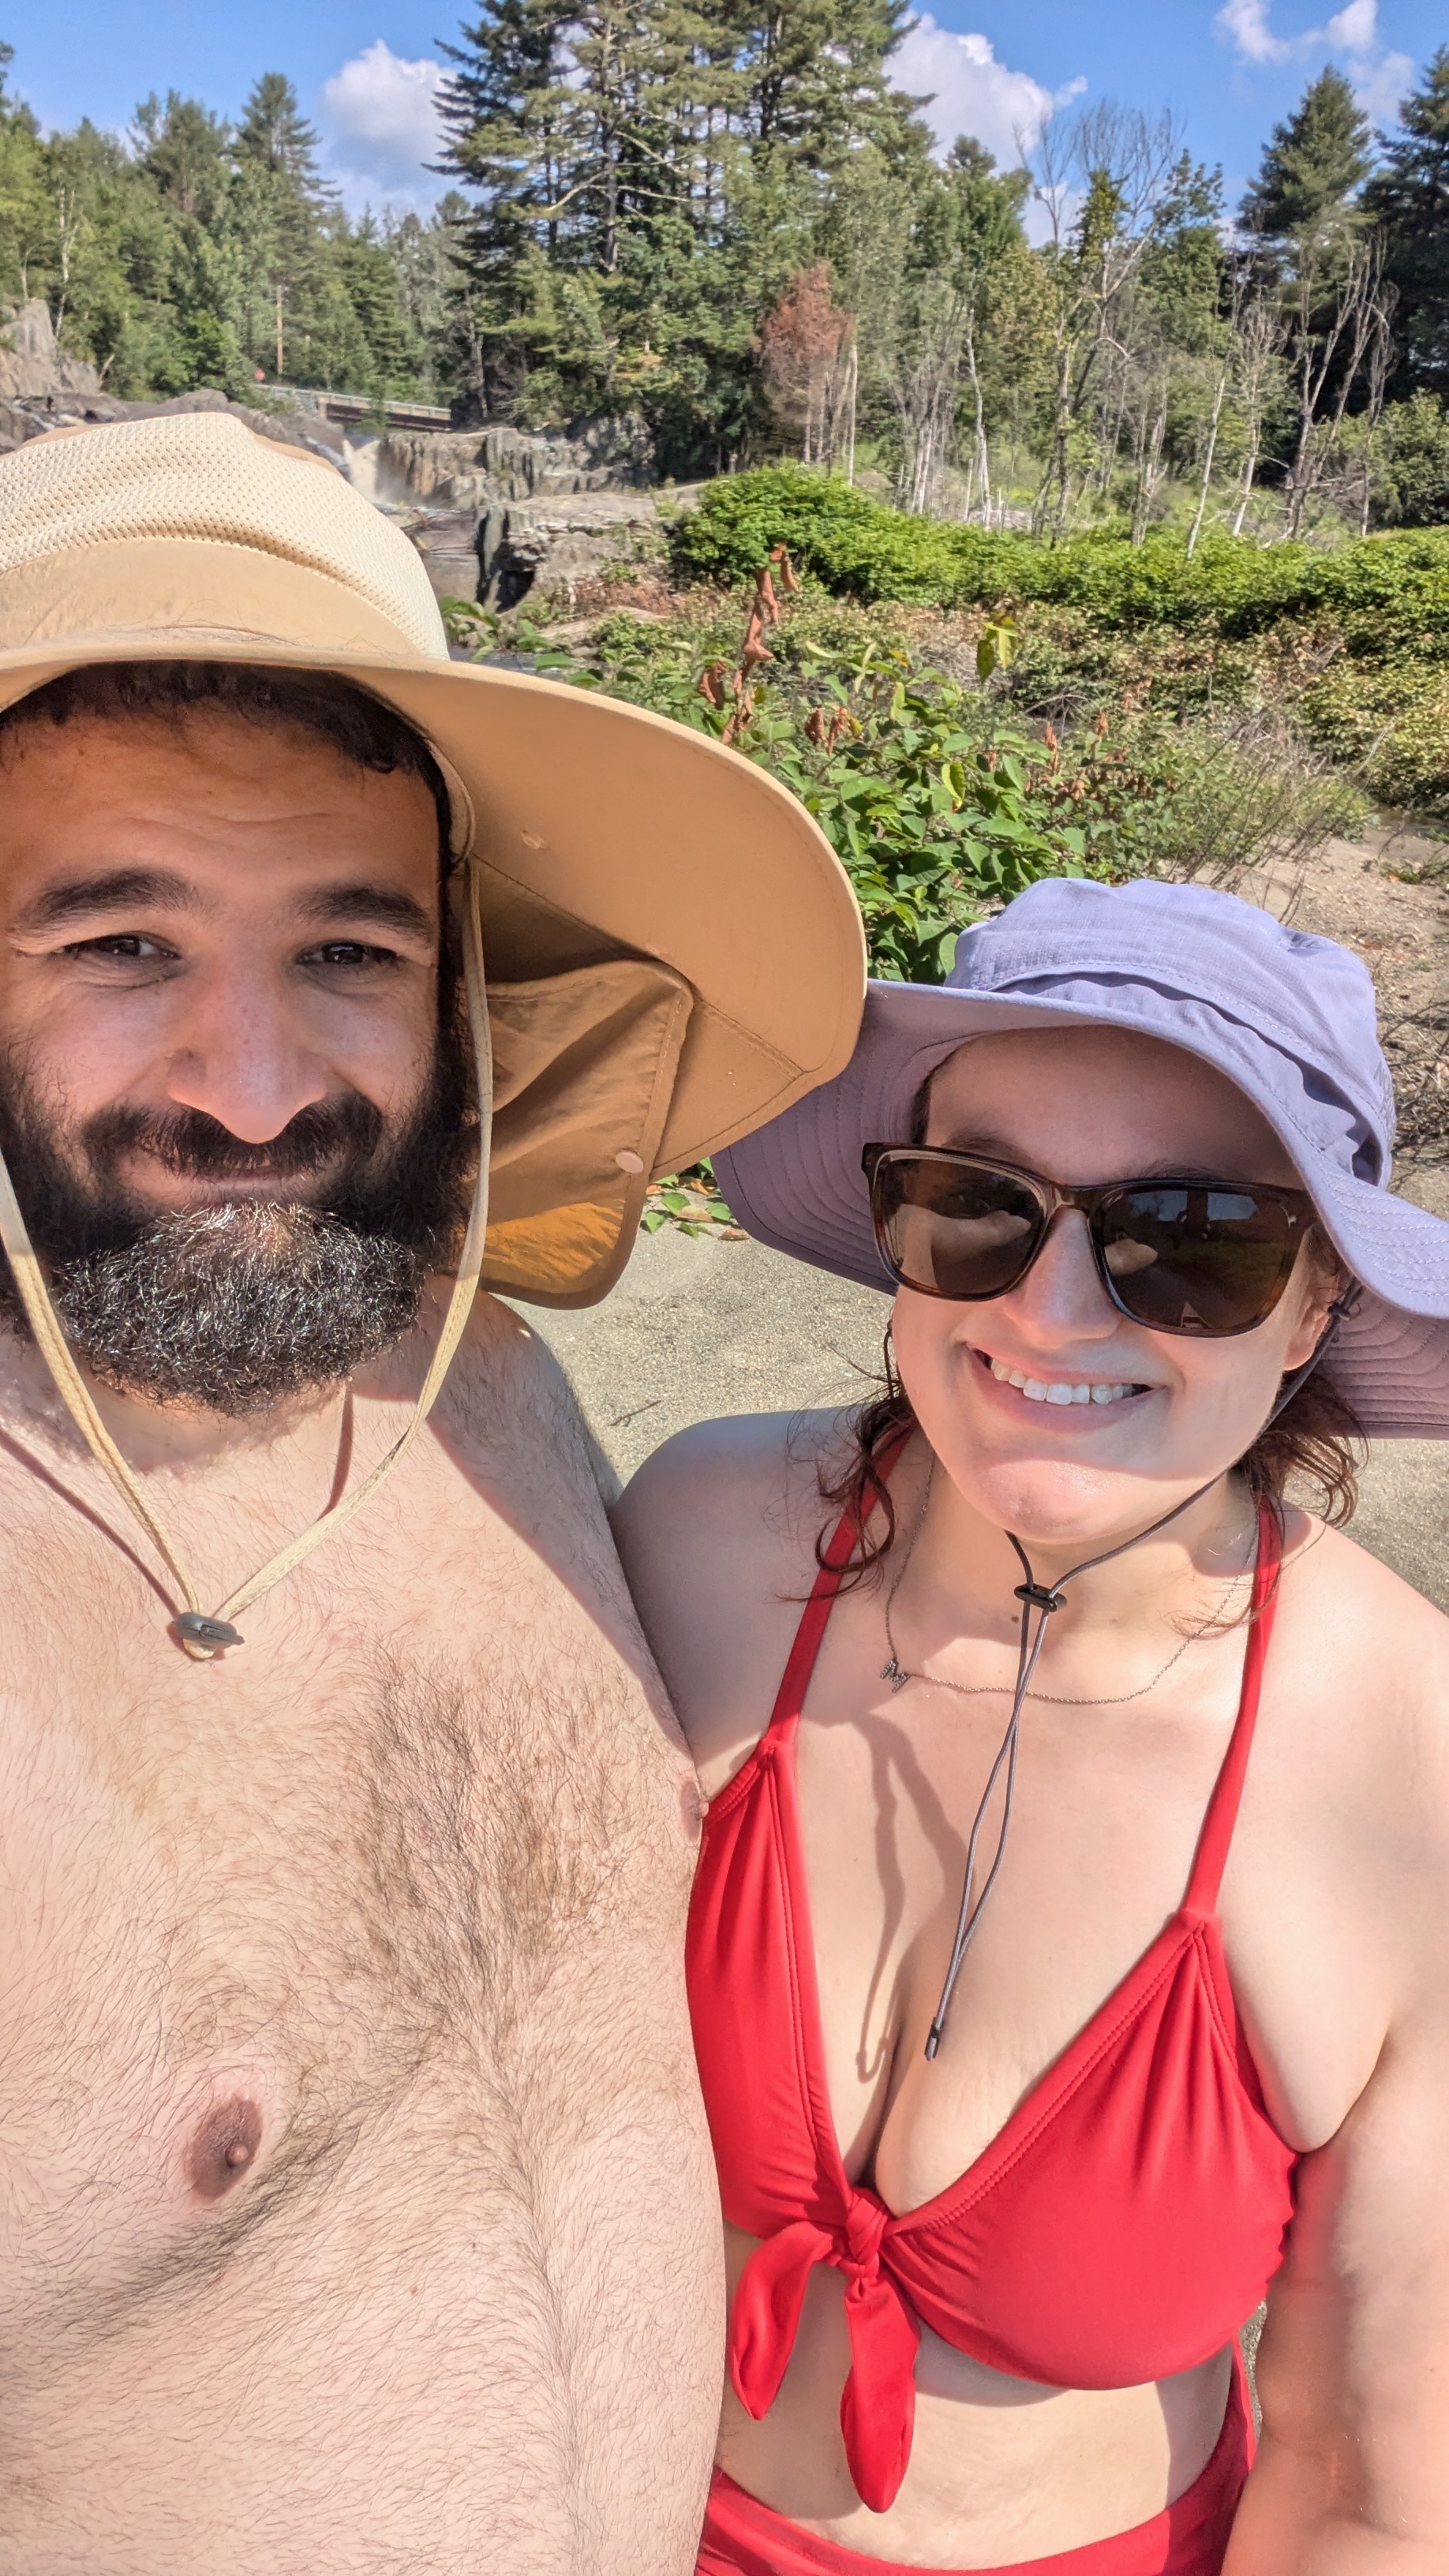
(286, 1936)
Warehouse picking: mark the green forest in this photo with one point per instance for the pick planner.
(732, 227)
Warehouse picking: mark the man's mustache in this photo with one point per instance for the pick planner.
(195, 1146)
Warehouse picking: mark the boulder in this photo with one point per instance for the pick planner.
(551, 544)
(31, 359)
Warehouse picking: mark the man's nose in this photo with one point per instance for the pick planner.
(238, 1056)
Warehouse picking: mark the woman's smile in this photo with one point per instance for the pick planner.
(1040, 1383)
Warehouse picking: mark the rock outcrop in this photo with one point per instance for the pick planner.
(457, 469)
(499, 512)
(31, 361)
(42, 387)
(496, 513)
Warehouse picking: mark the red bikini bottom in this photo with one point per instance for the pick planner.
(744, 2538)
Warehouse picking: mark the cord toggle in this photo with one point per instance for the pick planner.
(1040, 1597)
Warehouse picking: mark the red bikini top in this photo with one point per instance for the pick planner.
(1118, 2229)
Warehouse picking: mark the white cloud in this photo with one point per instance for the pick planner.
(1382, 86)
(1246, 22)
(1380, 79)
(1356, 28)
(382, 118)
(972, 93)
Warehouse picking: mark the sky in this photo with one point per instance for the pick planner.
(999, 69)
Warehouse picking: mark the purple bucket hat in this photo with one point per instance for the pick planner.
(1287, 1017)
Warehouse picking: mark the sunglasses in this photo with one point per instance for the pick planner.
(1189, 1256)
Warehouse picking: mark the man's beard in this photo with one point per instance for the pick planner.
(232, 1307)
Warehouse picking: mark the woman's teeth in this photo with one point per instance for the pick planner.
(1059, 1391)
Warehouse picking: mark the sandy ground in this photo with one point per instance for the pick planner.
(1387, 896)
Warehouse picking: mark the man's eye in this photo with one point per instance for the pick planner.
(348, 952)
(127, 945)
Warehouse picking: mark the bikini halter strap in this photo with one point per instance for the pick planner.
(1039, 1601)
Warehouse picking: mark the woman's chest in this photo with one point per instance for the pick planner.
(1098, 1859)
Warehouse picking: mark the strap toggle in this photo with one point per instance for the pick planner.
(198, 1630)
(1040, 1596)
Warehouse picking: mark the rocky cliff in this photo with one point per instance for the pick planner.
(495, 512)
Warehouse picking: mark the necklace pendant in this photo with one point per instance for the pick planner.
(892, 1673)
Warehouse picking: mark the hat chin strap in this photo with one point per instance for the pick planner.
(203, 1634)
(1044, 1598)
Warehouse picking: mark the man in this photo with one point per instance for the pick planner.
(358, 2208)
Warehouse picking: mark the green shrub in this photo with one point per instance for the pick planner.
(1391, 588)
(1348, 647)
(940, 802)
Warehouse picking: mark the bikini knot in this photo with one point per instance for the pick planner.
(865, 2226)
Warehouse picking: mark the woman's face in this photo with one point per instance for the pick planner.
(1082, 1106)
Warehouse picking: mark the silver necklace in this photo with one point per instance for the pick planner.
(898, 1674)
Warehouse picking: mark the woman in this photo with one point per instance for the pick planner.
(1036, 2019)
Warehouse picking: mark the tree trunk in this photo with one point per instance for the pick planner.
(1148, 473)
(1207, 468)
(1250, 468)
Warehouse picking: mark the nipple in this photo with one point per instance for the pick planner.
(223, 2148)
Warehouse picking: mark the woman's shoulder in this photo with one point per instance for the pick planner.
(1366, 1658)
(717, 1533)
(738, 1464)
(1352, 1596)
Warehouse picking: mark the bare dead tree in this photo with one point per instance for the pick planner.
(1260, 331)
(802, 337)
(1101, 184)
(1359, 316)
(841, 391)
(1379, 368)
(923, 388)
(1149, 439)
(979, 473)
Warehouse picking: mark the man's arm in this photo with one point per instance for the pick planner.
(1353, 2475)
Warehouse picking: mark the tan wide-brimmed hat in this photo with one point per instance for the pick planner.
(673, 950)
(661, 949)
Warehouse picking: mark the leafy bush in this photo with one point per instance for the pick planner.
(854, 544)
(938, 799)
(1350, 647)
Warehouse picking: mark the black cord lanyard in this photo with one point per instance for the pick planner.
(1043, 1600)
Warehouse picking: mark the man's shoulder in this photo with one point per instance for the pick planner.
(507, 1399)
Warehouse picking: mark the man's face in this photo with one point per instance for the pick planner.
(232, 1124)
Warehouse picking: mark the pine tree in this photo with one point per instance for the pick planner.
(277, 211)
(817, 76)
(634, 161)
(1410, 198)
(367, 271)
(186, 153)
(1312, 170)
(501, 111)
